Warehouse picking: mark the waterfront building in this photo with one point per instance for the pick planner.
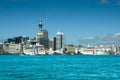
(51, 43)
(12, 48)
(69, 49)
(39, 35)
(5, 47)
(1, 48)
(10, 40)
(51, 46)
(54, 43)
(21, 48)
(44, 40)
(60, 41)
(18, 39)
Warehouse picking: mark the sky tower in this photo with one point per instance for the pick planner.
(40, 25)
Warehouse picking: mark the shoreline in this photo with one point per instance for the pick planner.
(56, 54)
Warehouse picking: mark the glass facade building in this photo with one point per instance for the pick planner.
(60, 41)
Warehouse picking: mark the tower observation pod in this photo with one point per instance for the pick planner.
(40, 25)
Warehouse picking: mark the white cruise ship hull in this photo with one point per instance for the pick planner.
(34, 50)
(90, 53)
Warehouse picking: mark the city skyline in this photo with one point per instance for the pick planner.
(82, 21)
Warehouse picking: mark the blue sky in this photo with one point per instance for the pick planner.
(79, 20)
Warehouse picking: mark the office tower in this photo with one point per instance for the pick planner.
(51, 43)
(43, 40)
(60, 41)
(10, 40)
(18, 39)
(54, 44)
(15, 40)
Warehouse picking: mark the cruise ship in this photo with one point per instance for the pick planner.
(92, 51)
(95, 50)
(34, 50)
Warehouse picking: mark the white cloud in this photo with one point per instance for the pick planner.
(117, 35)
(90, 38)
(107, 39)
(87, 40)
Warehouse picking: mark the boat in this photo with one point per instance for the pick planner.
(89, 50)
(34, 50)
(39, 50)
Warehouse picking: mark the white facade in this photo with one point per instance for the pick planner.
(60, 41)
(14, 48)
(95, 50)
(70, 49)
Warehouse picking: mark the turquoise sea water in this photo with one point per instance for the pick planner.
(59, 67)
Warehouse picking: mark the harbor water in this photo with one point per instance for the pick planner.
(59, 67)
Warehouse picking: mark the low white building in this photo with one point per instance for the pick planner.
(14, 48)
(69, 49)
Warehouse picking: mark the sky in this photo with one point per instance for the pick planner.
(81, 21)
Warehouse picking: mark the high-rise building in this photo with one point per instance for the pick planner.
(54, 44)
(51, 43)
(60, 41)
(42, 36)
(18, 39)
(10, 40)
(45, 34)
(15, 40)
